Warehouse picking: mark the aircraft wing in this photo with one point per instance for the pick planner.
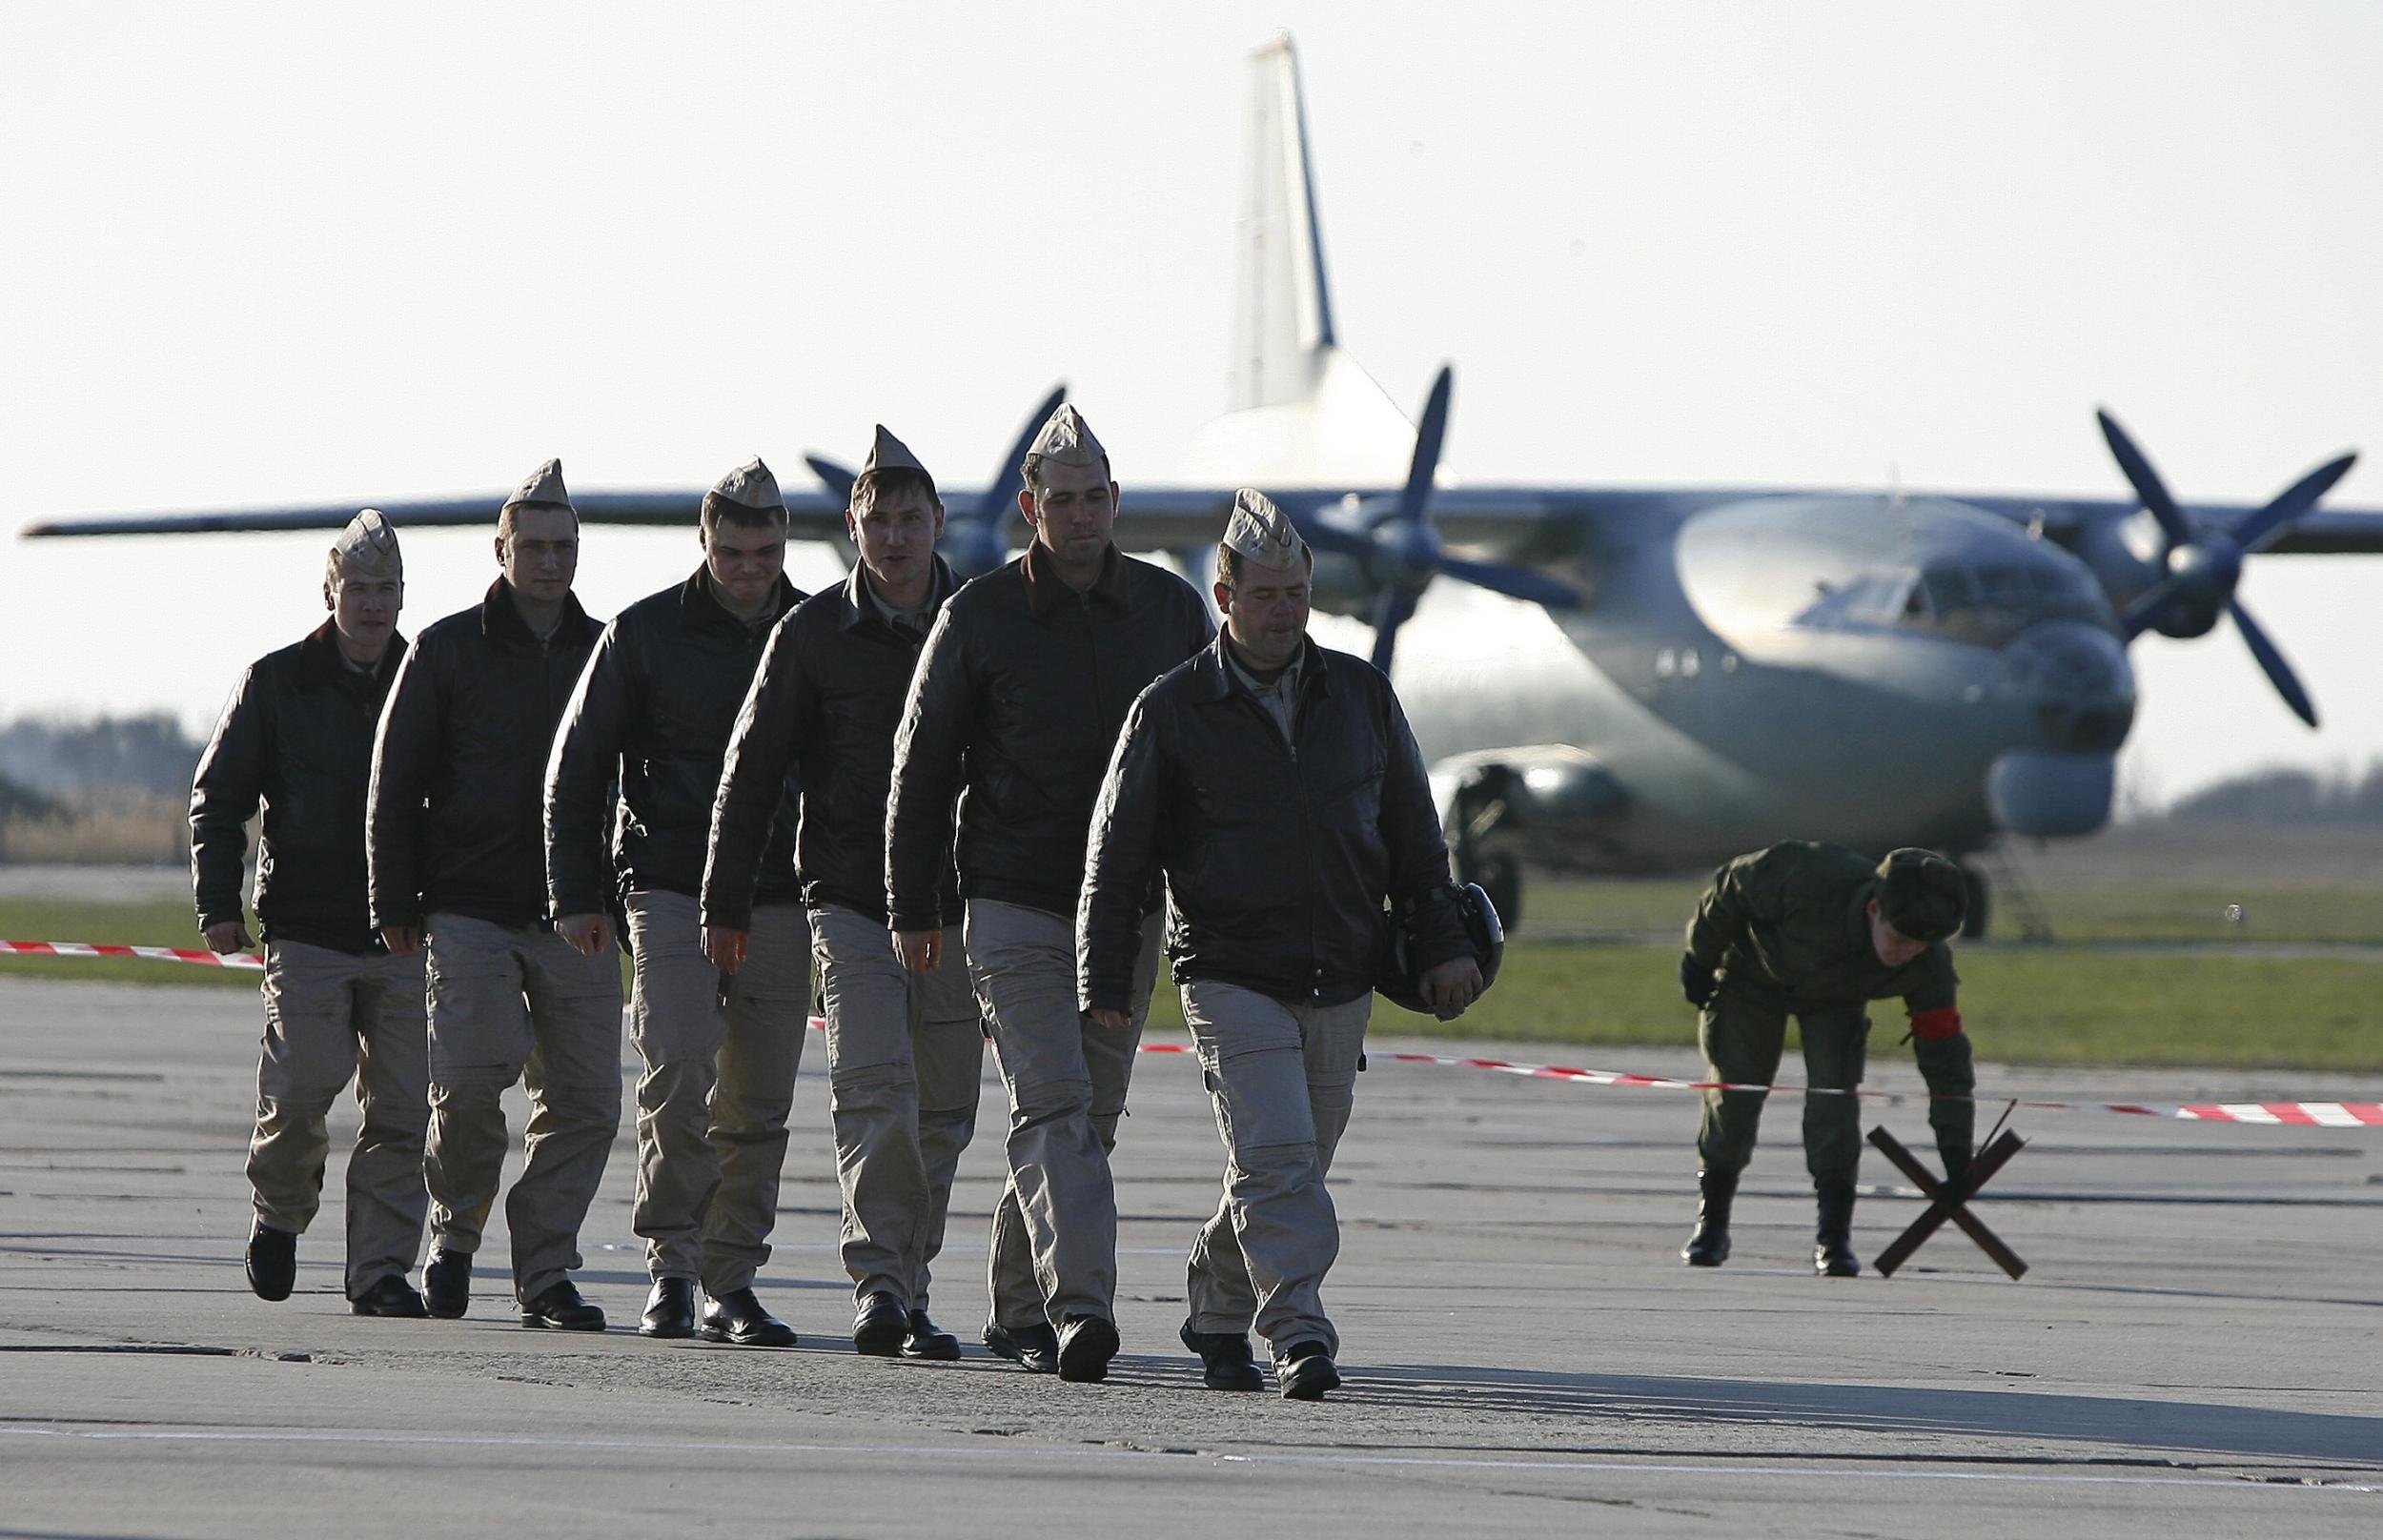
(2325, 531)
(1515, 524)
(815, 516)
(1500, 523)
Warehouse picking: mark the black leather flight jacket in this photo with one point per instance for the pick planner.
(297, 736)
(1014, 709)
(457, 821)
(1279, 853)
(654, 712)
(826, 704)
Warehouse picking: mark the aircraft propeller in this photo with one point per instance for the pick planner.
(976, 537)
(2203, 565)
(1401, 552)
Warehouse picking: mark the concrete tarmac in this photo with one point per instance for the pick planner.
(2194, 1352)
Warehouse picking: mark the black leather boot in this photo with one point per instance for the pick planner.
(1832, 1250)
(669, 1310)
(1956, 1154)
(1709, 1245)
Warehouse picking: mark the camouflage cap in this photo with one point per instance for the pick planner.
(1262, 532)
(890, 453)
(1921, 895)
(1067, 440)
(749, 486)
(543, 489)
(368, 548)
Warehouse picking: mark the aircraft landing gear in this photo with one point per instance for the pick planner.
(2024, 910)
(1482, 854)
(1500, 876)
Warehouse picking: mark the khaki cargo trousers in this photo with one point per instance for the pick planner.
(333, 1017)
(906, 1059)
(1282, 1079)
(717, 1086)
(1054, 1245)
(517, 1004)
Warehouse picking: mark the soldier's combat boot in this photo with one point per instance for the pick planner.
(1709, 1245)
(1956, 1155)
(1832, 1250)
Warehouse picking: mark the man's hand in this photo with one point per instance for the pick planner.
(1695, 980)
(228, 937)
(922, 951)
(586, 934)
(1451, 986)
(1111, 1021)
(724, 947)
(402, 941)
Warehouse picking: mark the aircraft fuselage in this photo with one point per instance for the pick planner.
(1860, 669)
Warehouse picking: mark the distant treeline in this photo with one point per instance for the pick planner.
(2286, 798)
(51, 758)
(108, 789)
(116, 788)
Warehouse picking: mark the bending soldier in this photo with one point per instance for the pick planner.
(653, 715)
(459, 866)
(296, 738)
(1279, 787)
(904, 1053)
(1027, 676)
(1816, 932)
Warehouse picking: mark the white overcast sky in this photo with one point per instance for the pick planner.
(268, 253)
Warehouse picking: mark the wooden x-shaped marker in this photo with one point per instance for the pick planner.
(1945, 1205)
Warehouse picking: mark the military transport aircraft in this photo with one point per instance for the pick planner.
(1638, 679)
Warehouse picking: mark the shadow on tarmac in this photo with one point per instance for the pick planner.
(2168, 1427)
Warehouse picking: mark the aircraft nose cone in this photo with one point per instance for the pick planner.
(2077, 676)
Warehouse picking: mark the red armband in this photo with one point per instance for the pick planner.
(1944, 1022)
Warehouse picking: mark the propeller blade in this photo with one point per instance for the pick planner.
(999, 493)
(2147, 483)
(2278, 672)
(1395, 607)
(2292, 503)
(1429, 435)
(1514, 582)
(831, 476)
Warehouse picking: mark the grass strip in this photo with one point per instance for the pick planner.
(2024, 1006)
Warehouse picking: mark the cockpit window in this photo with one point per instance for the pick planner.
(1986, 602)
(1880, 599)
(1990, 601)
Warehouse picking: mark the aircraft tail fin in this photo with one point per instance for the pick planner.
(1284, 321)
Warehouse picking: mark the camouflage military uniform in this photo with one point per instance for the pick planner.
(1786, 932)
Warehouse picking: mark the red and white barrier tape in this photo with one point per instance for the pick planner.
(2303, 1114)
(155, 954)
(2297, 1114)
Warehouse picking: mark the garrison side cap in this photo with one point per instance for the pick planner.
(1067, 440)
(368, 547)
(890, 453)
(1262, 532)
(543, 489)
(750, 485)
